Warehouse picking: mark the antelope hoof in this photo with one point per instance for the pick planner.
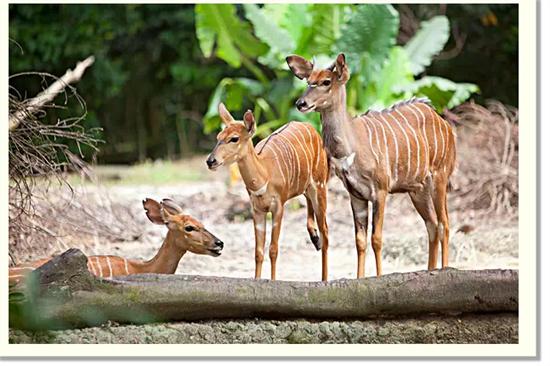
(315, 240)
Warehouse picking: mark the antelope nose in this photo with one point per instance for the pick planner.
(210, 161)
(219, 243)
(301, 103)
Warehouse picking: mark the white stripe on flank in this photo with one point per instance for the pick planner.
(435, 141)
(17, 275)
(388, 167)
(315, 154)
(417, 144)
(280, 161)
(126, 266)
(288, 159)
(91, 267)
(395, 168)
(307, 151)
(109, 265)
(370, 142)
(301, 139)
(408, 143)
(305, 154)
(99, 266)
(296, 161)
(426, 145)
(278, 164)
(438, 120)
(309, 155)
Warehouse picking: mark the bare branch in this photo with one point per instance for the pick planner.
(32, 105)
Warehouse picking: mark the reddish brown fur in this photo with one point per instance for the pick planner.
(288, 163)
(407, 148)
(178, 241)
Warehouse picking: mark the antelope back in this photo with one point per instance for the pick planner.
(297, 155)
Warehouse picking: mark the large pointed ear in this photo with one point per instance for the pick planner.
(153, 211)
(341, 68)
(171, 207)
(250, 122)
(301, 67)
(224, 114)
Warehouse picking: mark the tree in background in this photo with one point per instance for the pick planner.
(151, 87)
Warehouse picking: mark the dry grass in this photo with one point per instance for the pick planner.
(486, 179)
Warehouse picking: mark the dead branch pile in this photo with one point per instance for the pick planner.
(486, 178)
(40, 155)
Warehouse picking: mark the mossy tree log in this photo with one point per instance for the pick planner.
(65, 294)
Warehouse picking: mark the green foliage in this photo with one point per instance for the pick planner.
(382, 73)
(442, 92)
(150, 84)
(367, 37)
(427, 43)
(219, 24)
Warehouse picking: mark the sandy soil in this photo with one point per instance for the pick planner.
(492, 244)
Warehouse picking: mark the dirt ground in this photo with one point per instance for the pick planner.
(487, 328)
(493, 243)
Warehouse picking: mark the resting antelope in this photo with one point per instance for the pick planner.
(288, 163)
(184, 234)
(407, 148)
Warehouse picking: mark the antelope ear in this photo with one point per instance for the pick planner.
(153, 211)
(224, 114)
(341, 68)
(301, 67)
(250, 122)
(171, 207)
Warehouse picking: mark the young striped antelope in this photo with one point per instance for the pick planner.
(184, 234)
(406, 148)
(288, 163)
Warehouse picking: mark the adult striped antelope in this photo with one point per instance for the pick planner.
(184, 234)
(288, 163)
(406, 148)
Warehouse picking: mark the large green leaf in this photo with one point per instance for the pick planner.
(395, 72)
(218, 25)
(324, 29)
(442, 92)
(427, 42)
(368, 36)
(266, 29)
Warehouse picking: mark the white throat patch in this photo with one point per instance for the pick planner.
(345, 162)
(260, 190)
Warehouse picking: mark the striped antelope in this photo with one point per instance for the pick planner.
(407, 148)
(184, 234)
(288, 163)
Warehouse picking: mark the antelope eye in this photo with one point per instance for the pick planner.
(326, 82)
(234, 139)
(189, 228)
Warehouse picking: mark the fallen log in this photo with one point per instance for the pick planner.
(62, 293)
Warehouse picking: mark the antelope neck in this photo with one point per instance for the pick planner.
(167, 258)
(252, 170)
(338, 135)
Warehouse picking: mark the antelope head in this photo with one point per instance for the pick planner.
(232, 140)
(190, 234)
(324, 85)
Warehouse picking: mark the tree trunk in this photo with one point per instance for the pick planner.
(68, 295)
